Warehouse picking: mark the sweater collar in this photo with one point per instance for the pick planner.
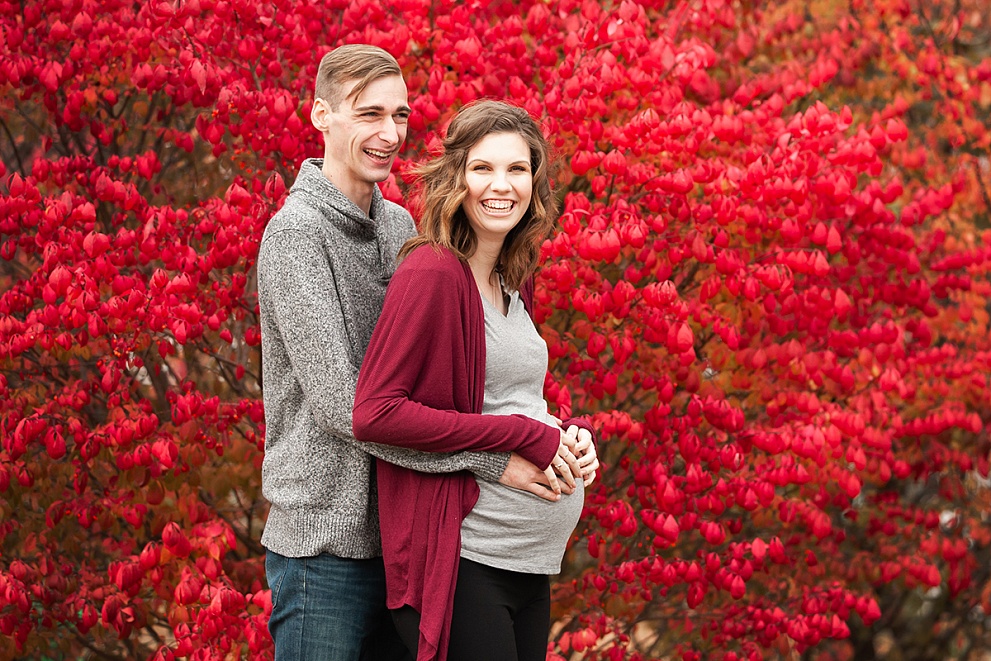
(331, 201)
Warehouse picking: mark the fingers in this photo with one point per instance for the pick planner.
(565, 464)
(583, 440)
(571, 461)
(562, 475)
(588, 460)
(589, 479)
(569, 438)
(539, 488)
(523, 475)
(589, 467)
(552, 482)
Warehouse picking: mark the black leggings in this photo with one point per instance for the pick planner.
(499, 615)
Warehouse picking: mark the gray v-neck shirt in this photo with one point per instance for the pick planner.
(508, 528)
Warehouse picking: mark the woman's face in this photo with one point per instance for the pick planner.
(500, 185)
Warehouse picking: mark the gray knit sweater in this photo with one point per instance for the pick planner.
(323, 267)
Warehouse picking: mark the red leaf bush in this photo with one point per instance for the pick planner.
(769, 289)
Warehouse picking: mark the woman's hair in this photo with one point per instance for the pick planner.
(443, 187)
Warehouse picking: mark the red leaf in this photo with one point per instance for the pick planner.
(198, 72)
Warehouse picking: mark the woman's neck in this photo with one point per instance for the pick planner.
(484, 260)
(483, 263)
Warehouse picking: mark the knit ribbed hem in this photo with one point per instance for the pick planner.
(305, 533)
(489, 465)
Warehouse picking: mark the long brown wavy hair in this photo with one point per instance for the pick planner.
(443, 187)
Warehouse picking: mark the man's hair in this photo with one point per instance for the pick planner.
(443, 185)
(360, 62)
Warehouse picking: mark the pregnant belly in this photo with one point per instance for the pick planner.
(518, 531)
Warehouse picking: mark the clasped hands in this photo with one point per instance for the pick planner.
(575, 459)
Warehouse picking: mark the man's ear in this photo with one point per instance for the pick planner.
(320, 115)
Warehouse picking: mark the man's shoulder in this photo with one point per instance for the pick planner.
(295, 214)
(398, 220)
(394, 210)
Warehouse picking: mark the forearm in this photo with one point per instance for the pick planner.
(486, 465)
(400, 422)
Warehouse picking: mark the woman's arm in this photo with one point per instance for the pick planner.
(418, 361)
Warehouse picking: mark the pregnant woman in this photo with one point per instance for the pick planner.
(456, 364)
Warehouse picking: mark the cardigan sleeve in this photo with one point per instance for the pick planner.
(414, 349)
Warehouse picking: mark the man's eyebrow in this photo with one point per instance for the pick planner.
(400, 109)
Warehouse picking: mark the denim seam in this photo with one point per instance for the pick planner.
(277, 589)
(302, 618)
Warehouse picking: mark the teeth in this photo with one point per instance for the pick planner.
(498, 205)
(377, 154)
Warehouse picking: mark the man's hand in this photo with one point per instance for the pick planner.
(521, 474)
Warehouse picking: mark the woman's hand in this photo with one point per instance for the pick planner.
(584, 450)
(565, 464)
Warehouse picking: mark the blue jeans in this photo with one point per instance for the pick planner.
(326, 608)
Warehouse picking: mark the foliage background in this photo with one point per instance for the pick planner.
(769, 289)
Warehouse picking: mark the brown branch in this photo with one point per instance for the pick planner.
(254, 546)
(17, 155)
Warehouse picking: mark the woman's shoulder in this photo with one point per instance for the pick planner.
(427, 257)
(434, 274)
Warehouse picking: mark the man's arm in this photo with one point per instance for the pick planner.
(302, 296)
(489, 466)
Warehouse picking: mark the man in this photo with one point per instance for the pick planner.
(323, 266)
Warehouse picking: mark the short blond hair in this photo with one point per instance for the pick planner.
(360, 62)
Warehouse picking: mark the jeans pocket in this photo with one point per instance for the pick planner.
(276, 568)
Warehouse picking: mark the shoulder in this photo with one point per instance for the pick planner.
(431, 289)
(295, 216)
(431, 274)
(394, 210)
(398, 217)
(428, 258)
(291, 233)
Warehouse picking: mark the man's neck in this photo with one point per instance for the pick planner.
(358, 192)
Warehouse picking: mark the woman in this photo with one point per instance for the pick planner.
(455, 364)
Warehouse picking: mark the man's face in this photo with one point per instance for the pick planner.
(364, 134)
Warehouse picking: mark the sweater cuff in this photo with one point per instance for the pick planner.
(581, 423)
(542, 453)
(488, 465)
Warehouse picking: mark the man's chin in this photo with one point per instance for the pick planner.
(379, 174)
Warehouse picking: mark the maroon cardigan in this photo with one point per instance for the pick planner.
(421, 386)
